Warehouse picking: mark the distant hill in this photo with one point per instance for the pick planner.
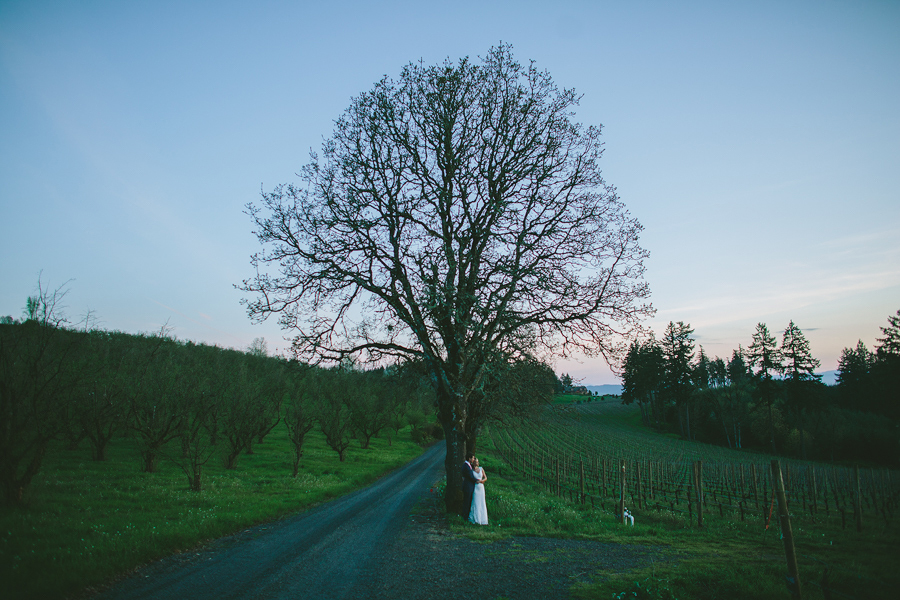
(606, 389)
(829, 377)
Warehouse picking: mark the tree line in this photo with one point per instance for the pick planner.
(768, 396)
(189, 403)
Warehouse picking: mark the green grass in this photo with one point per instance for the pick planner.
(87, 522)
(726, 559)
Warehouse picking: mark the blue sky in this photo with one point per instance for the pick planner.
(755, 141)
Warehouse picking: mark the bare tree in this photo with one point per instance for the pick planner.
(299, 412)
(456, 213)
(46, 306)
(38, 379)
(332, 411)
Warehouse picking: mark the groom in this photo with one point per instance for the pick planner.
(469, 481)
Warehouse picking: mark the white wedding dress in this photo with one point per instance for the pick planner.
(478, 514)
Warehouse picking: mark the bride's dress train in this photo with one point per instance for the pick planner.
(478, 514)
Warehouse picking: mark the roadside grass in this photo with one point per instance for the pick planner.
(85, 522)
(725, 559)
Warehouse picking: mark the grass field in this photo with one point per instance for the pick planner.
(87, 522)
(725, 559)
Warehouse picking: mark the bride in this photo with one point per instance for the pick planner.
(478, 514)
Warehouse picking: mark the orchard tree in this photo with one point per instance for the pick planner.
(299, 412)
(455, 214)
(38, 379)
(332, 411)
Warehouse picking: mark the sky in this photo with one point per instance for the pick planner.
(756, 142)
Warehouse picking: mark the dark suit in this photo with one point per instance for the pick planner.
(469, 481)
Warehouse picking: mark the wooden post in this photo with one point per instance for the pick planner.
(558, 488)
(742, 481)
(603, 477)
(858, 506)
(698, 478)
(753, 481)
(637, 468)
(690, 495)
(581, 481)
(815, 492)
(621, 508)
(786, 532)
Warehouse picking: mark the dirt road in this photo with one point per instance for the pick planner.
(369, 545)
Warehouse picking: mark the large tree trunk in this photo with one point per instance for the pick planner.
(453, 494)
(645, 417)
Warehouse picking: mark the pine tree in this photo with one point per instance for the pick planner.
(763, 355)
(678, 351)
(642, 377)
(799, 368)
(739, 384)
(854, 378)
(890, 343)
(886, 370)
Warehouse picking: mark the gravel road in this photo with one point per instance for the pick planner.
(371, 544)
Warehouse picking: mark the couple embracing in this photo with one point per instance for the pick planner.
(473, 491)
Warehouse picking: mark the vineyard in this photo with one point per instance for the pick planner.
(598, 454)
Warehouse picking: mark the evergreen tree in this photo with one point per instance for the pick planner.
(886, 370)
(678, 351)
(799, 370)
(890, 343)
(642, 376)
(738, 393)
(763, 355)
(854, 378)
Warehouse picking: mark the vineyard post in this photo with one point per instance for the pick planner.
(639, 487)
(742, 481)
(558, 488)
(621, 509)
(698, 479)
(837, 498)
(603, 477)
(690, 494)
(815, 505)
(581, 480)
(786, 533)
(858, 494)
(890, 490)
(753, 478)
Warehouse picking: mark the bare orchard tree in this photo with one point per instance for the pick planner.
(456, 213)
